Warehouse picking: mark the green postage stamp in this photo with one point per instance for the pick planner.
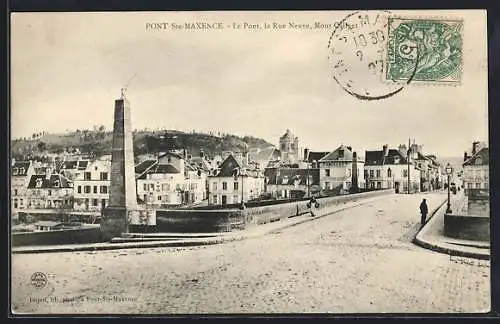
(424, 50)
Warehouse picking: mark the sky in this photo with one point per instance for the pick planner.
(68, 68)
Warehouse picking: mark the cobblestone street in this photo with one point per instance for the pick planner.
(358, 260)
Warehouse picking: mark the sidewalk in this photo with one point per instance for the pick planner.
(155, 240)
(431, 236)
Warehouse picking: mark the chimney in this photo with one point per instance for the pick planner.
(465, 156)
(349, 148)
(385, 149)
(306, 153)
(202, 154)
(475, 146)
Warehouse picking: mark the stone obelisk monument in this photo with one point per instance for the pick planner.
(122, 192)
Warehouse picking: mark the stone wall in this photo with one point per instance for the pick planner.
(225, 220)
(466, 227)
(67, 236)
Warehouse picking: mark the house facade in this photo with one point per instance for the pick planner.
(49, 191)
(476, 170)
(21, 173)
(389, 169)
(284, 183)
(234, 181)
(91, 187)
(169, 180)
(337, 167)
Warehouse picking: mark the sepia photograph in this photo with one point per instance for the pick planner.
(249, 162)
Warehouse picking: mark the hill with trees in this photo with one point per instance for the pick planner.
(98, 141)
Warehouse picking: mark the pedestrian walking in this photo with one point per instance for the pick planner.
(312, 205)
(423, 212)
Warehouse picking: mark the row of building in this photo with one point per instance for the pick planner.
(175, 178)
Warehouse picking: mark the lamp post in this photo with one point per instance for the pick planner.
(448, 170)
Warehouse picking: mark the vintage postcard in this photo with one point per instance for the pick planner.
(249, 162)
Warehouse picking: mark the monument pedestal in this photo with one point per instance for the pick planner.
(114, 222)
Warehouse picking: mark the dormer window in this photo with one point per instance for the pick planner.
(285, 180)
(14, 171)
(479, 160)
(21, 171)
(56, 184)
(39, 183)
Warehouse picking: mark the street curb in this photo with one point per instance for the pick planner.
(442, 247)
(131, 245)
(180, 243)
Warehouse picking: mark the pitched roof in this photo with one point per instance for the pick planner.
(480, 158)
(315, 156)
(291, 175)
(144, 166)
(342, 153)
(378, 158)
(69, 165)
(262, 156)
(20, 168)
(200, 162)
(49, 183)
(228, 165)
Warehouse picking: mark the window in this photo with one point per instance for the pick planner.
(236, 199)
(95, 202)
(405, 173)
(104, 176)
(79, 189)
(478, 185)
(327, 172)
(366, 174)
(378, 173)
(371, 173)
(348, 172)
(49, 192)
(379, 184)
(224, 185)
(372, 185)
(145, 187)
(485, 187)
(285, 180)
(469, 185)
(15, 203)
(215, 199)
(21, 203)
(87, 176)
(15, 192)
(389, 173)
(87, 189)
(214, 187)
(104, 189)
(159, 198)
(235, 185)
(95, 189)
(327, 185)
(14, 171)
(479, 160)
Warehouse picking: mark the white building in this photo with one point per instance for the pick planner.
(388, 168)
(336, 169)
(91, 187)
(169, 180)
(476, 169)
(235, 182)
(20, 178)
